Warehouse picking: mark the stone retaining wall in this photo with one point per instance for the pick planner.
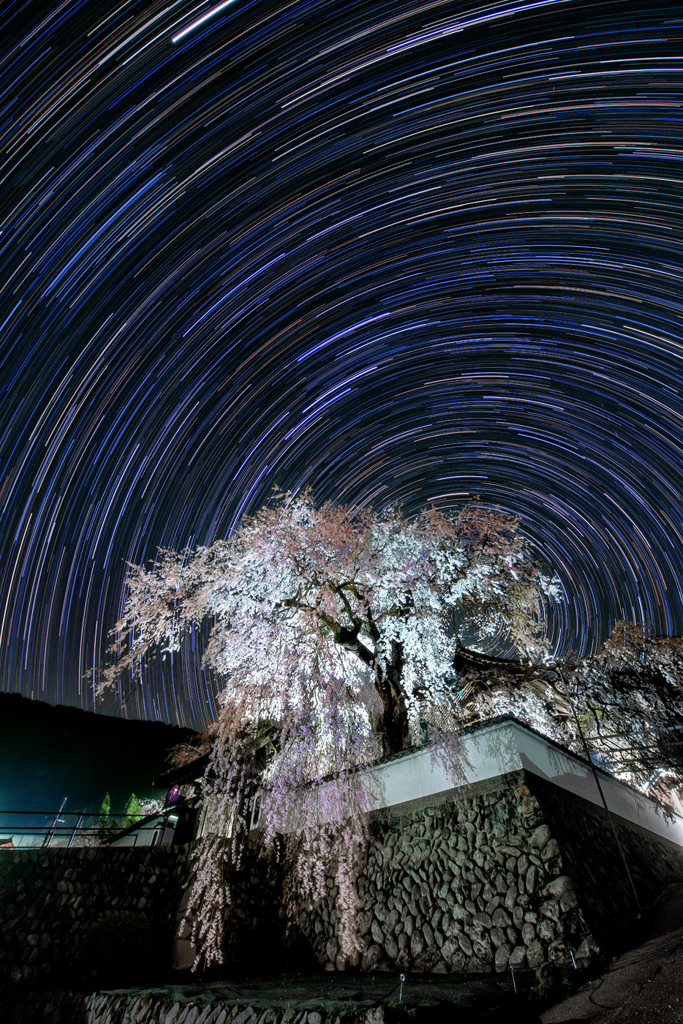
(60, 1007)
(517, 874)
(51, 899)
(587, 841)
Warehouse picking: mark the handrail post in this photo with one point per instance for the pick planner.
(75, 829)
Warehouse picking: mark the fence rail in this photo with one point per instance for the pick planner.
(40, 829)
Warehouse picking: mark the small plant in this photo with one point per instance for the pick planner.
(541, 989)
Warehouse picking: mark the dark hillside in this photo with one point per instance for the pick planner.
(48, 753)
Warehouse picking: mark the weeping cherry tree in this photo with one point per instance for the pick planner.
(333, 631)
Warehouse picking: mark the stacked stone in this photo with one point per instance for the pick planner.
(111, 1008)
(587, 838)
(114, 1007)
(472, 886)
(48, 898)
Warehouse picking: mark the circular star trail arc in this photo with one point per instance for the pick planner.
(398, 252)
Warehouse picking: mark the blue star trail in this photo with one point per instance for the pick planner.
(401, 253)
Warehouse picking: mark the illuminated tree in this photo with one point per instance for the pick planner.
(320, 608)
(624, 703)
(629, 699)
(133, 811)
(105, 811)
(106, 822)
(334, 631)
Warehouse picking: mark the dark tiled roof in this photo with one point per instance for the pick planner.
(186, 773)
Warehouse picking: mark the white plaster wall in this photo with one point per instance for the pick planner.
(483, 754)
(501, 747)
(574, 775)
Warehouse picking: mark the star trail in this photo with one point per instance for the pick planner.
(403, 253)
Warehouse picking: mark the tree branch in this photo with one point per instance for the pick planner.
(354, 619)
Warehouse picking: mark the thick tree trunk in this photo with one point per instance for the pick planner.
(393, 729)
(391, 726)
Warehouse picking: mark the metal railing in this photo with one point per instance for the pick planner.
(41, 829)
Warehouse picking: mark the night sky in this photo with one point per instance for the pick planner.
(402, 253)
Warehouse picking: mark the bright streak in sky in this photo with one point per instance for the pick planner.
(200, 21)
